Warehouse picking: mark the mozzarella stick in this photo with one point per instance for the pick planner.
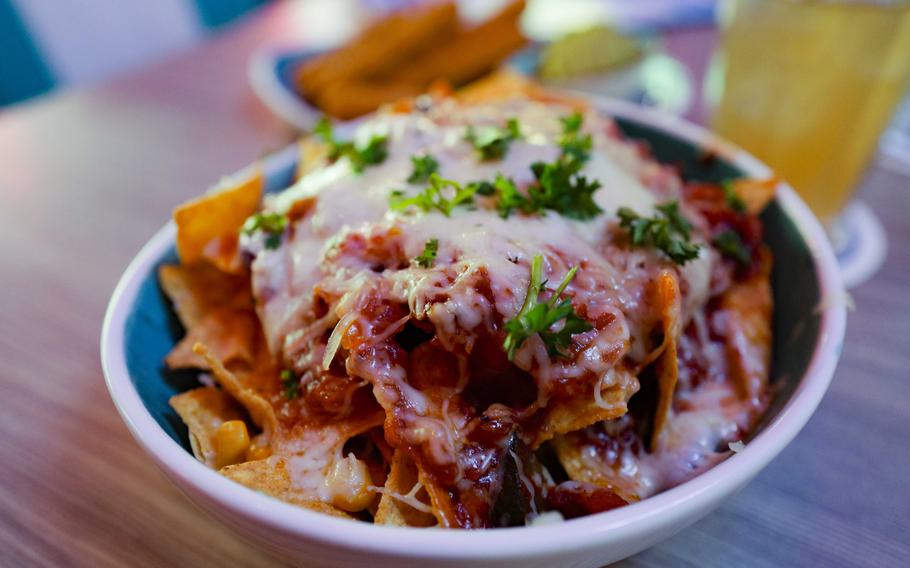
(381, 48)
(471, 53)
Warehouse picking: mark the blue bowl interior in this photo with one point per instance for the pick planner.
(287, 63)
(152, 328)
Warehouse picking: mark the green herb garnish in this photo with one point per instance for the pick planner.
(432, 198)
(734, 201)
(423, 166)
(562, 189)
(508, 197)
(484, 188)
(668, 231)
(492, 142)
(290, 384)
(572, 124)
(428, 256)
(730, 244)
(574, 145)
(536, 317)
(272, 224)
(373, 152)
(559, 186)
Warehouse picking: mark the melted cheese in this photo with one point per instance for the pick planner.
(346, 201)
(691, 442)
(351, 245)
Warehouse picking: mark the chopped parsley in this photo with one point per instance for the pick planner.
(734, 201)
(562, 189)
(428, 256)
(484, 188)
(731, 245)
(423, 166)
(559, 186)
(432, 198)
(536, 317)
(290, 384)
(272, 224)
(667, 231)
(572, 124)
(373, 152)
(509, 198)
(574, 144)
(492, 142)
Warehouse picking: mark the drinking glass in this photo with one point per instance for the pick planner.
(809, 85)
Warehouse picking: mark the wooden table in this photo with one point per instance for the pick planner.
(87, 176)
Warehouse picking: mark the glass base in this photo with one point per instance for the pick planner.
(859, 242)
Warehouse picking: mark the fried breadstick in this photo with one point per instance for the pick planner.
(382, 47)
(350, 99)
(471, 53)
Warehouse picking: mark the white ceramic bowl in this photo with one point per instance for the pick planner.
(314, 539)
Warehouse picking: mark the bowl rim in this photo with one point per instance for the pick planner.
(672, 507)
(266, 81)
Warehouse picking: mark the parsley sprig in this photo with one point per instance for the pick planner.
(375, 151)
(731, 245)
(272, 224)
(433, 196)
(509, 198)
(290, 384)
(537, 318)
(667, 231)
(573, 143)
(428, 256)
(559, 186)
(562, 189)
(492, 142)
(423, 167)
(734, 201)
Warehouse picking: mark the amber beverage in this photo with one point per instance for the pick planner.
(809, 85)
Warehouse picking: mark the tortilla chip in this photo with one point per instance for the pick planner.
(216, 308)
(260, 410)
(667, 365)
(208, 226)
(582, 411)
(203, 410)
(585, 462)
(394, 511)
(748, 305)
(755, 193)
(197, 290)
(506, 84)
(500, 85)
(313, 451)
(270, 476)
(314, 154)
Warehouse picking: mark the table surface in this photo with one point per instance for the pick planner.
(88, 176)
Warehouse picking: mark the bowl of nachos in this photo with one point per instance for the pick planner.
(504, 325)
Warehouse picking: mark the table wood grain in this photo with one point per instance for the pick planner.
(87, 177)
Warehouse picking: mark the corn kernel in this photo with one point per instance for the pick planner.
(348, 485)
(230, 442)
(257, 451)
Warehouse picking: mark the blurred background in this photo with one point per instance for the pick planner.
(50, 45)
